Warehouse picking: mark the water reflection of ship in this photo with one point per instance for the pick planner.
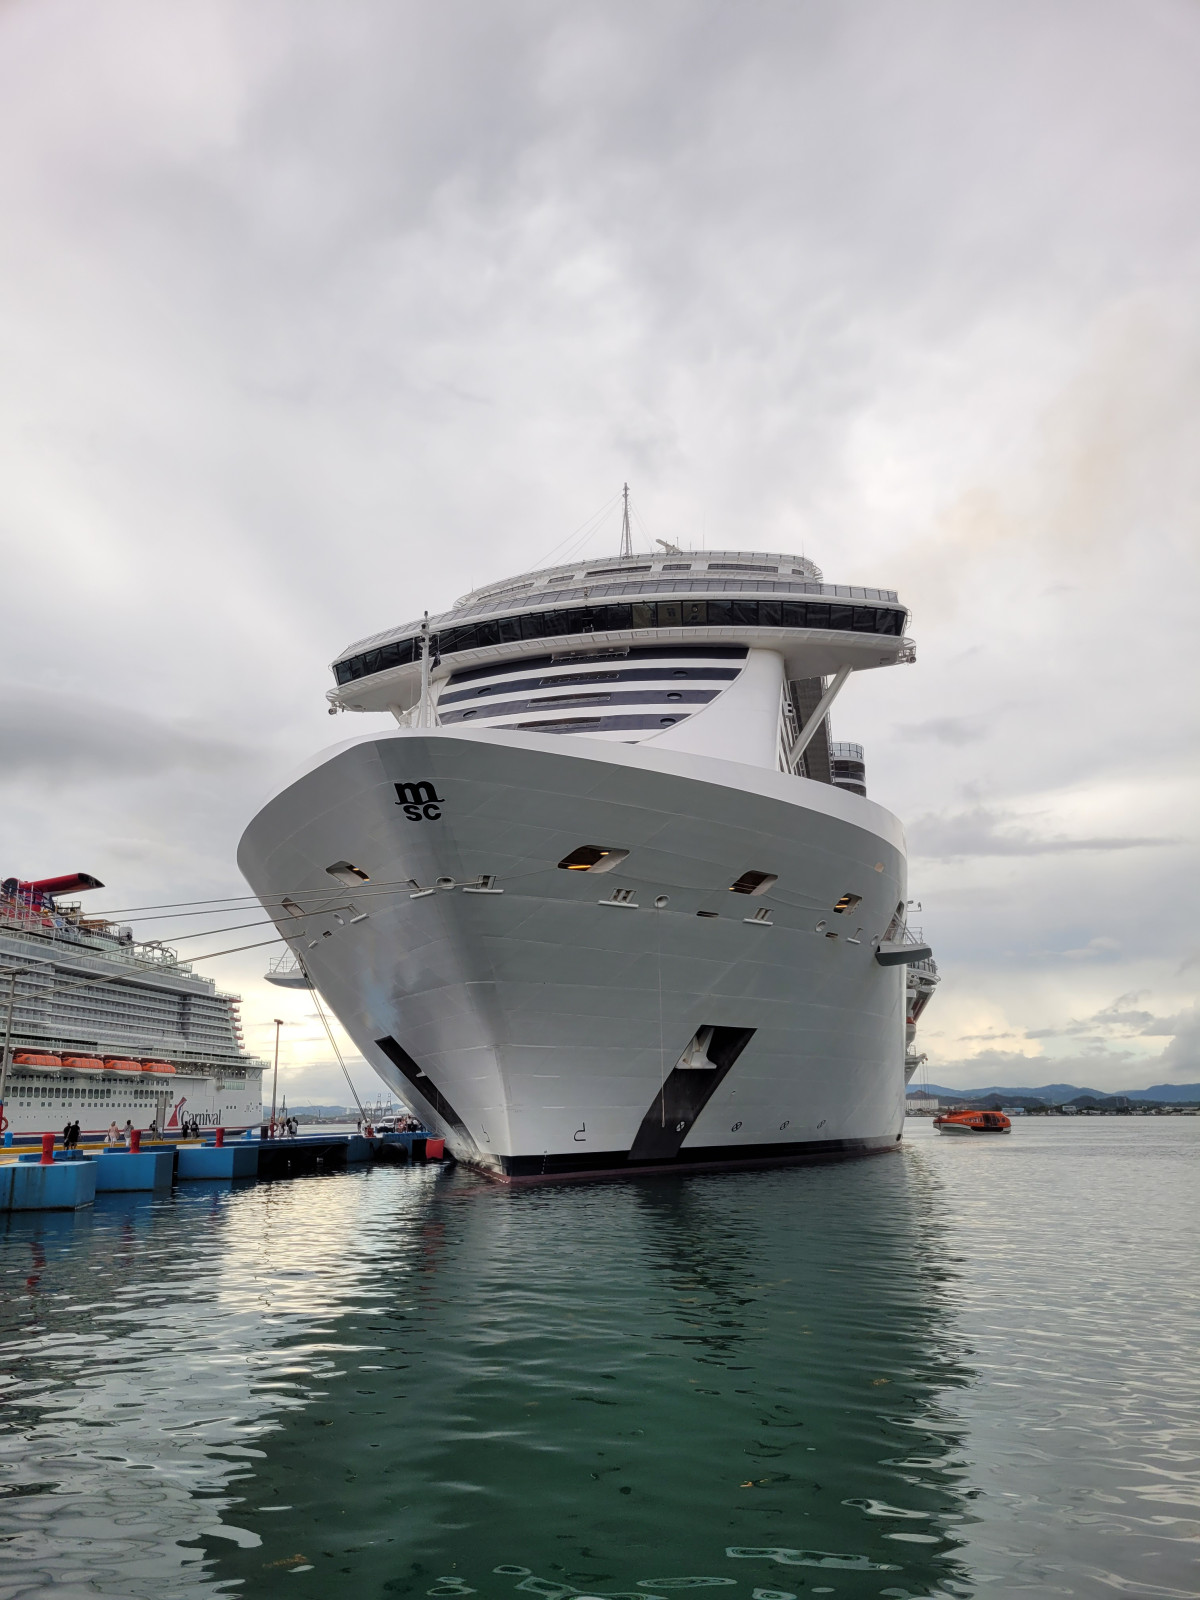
(613, 1394)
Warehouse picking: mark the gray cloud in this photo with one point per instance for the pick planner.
(52, 735)
(312, 321)
(947, 730)
(988, 831)
(1181, 1058)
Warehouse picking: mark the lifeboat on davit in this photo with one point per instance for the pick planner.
(973, 1122)
(157, 1066)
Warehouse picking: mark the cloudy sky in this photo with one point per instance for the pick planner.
(314, 316)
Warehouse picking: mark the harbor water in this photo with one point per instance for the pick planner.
(968, 1367)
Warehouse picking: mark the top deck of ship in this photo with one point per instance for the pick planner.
(753, 599)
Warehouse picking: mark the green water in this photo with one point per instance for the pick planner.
(967, 1367)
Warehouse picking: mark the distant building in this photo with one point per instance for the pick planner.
(921, 1104)
(1013, 1111)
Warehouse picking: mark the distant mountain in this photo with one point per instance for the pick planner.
(1059, 1093)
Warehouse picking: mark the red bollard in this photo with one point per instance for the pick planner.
(47, 1150)
(135, 1141)
(220, 1137)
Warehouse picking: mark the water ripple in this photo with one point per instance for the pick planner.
(967, 1367)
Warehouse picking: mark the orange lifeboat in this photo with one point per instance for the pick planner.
(157, 1066)
(121, 1064)
(34, 1058)
(83, 1063)
(972, 1122)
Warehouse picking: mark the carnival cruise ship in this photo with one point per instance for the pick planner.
(605, 897)
(99, 1027)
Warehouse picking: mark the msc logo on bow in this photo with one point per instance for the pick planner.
(421, 801)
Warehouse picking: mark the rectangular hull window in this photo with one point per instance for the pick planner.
(593, 858)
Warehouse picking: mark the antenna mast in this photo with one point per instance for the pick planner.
(626, 534)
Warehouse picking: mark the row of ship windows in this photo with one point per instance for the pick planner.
(561, 578)
(883, 620)
(563, 679)
(120, 1016)
(510, 708)
(665, 655)
(563, 591)
(626, 724)
(60, 1096)
(121, 1009)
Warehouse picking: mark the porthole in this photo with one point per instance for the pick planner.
(675, 695)
(666, 722)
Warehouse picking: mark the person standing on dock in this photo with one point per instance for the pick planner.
(127, 1133)
(113, 1136)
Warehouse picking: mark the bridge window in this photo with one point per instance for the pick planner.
(882, 620)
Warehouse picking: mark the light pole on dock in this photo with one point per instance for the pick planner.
(275, 1073)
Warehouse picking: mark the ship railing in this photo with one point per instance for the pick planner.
(90, 940)
(285, 965)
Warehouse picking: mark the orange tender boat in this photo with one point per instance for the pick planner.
(972, 1122)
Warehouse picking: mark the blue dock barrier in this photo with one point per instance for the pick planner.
(59, 1186)
(216, 1161)
(74, 1177)
(119, 1169)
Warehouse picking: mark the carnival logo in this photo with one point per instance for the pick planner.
(421, 801)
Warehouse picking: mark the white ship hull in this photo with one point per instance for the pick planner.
(45, 1101)
(541, 1031)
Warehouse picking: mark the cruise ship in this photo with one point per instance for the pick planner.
(99, 1027)
(606, 897)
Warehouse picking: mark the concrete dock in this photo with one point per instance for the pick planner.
(73, 1178)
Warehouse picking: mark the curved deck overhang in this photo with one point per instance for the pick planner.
(806, 652)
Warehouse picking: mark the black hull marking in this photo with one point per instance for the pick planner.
(424, 1085)
(683, 1096)
(707, 1158)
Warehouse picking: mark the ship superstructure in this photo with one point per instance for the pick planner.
(107, 1028)
(607, 897)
